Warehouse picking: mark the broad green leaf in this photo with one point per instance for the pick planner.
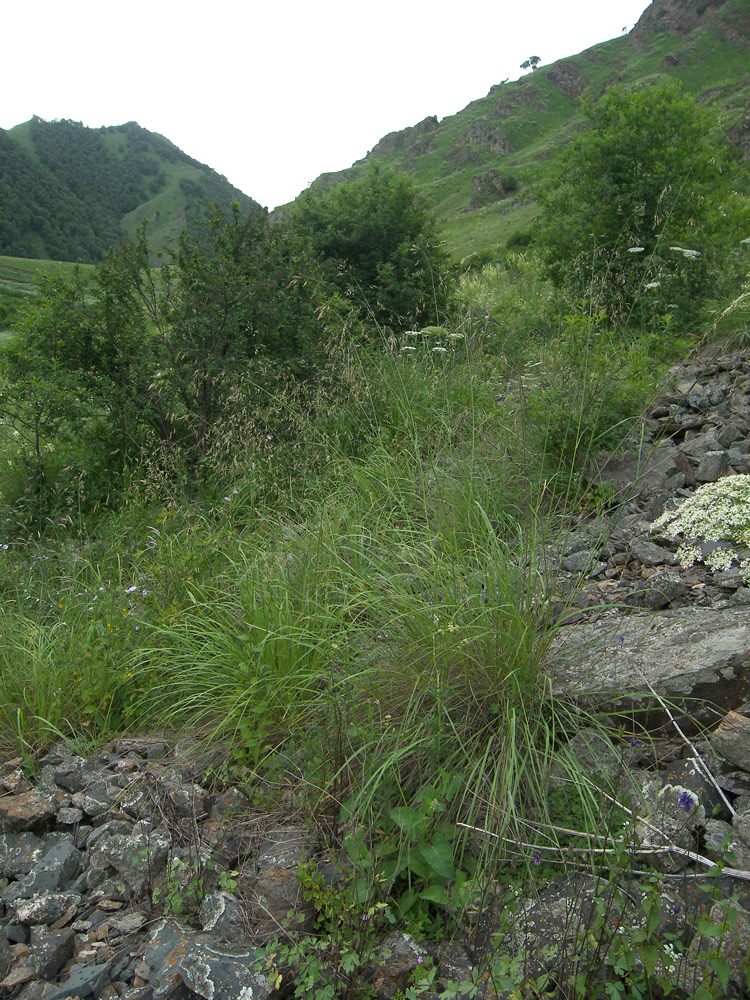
(439, 856)
(435, 894)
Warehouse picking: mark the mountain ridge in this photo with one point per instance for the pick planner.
(72, 192)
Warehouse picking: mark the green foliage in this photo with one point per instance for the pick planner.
(577, 401)
(634, 206)
(382, 247)
(148, 361)
(515, 302)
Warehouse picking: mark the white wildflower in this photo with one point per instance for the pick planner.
(690, 254)
(653, 284)
(408, 347)
(716, 513)
(444, 350)
(636, 249)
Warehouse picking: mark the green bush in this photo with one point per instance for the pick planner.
(635, 214)
(381, 247)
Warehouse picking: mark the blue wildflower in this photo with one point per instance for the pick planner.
(685, 801)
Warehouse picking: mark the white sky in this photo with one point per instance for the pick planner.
(272, 94)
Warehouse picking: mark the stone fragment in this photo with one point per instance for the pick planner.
(698, 446)
(399, 956)
(53, 872)
(692, 656)
(277, 889)
(669, 818)
(232, 803)
(650, 554)
(659, 591)
(731, 739)
(730, 579)
(138, 858)
(189, 800)
(16, 782)
(722, 843)
(16, 933)
(557, 921)
(19, 975)
(130, 923)
(45, 909)
(69, 816)
(220, 972)
(96, 799)
(690, 773)
(455, 965)
(19, 852)
(579, 562)
(222, 915)
(712, 466)
(116, 891)
(5, 955)
(107, 829)
(138, 993)
(70, 774)
(28, 811)
(50, 950)
(729, 433)
(83, 981)
(634, 472)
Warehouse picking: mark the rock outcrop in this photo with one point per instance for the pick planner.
(677, 17)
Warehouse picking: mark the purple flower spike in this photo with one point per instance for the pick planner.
(537, 857)
(685, 801)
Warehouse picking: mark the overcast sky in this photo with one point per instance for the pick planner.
(271, 94)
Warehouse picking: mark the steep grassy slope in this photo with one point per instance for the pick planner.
(479, 167)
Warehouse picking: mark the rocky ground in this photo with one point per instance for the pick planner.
(141, 873)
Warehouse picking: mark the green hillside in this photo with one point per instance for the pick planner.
(19, 282)
(71, 192)
(479, 167)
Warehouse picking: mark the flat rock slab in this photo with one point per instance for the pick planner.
(694, 658)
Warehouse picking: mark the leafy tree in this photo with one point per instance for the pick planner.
(645, 177)
(380, 244)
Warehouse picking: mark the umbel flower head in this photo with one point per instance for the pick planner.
(717, 512)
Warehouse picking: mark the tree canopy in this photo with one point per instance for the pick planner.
(645, 177)
(380, 242)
